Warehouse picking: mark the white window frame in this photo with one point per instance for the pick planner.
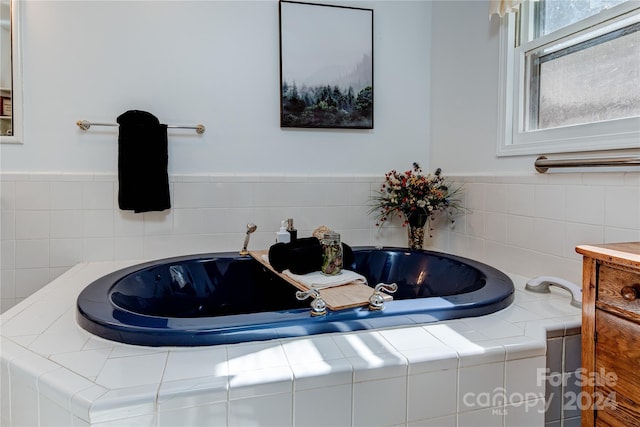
(513, 140)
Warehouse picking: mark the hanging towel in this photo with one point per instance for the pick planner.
(143, 183)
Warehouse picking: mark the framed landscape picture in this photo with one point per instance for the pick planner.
(326, 66)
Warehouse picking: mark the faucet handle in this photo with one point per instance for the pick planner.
(376, 301)
(318, 305)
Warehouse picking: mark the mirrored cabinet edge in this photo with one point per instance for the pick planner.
(11, 72)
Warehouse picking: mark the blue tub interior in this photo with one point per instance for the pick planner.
(225, 298)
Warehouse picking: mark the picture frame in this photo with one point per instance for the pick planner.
(326, 66)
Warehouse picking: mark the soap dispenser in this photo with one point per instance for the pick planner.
(283, 236)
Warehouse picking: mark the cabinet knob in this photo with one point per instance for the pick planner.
(630, 293)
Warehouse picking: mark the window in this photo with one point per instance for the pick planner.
(571, 75)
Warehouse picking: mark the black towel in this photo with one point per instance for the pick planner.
(142, 163)
(303, 256)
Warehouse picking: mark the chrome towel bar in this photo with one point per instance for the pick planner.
(542, 163)
(85, 125)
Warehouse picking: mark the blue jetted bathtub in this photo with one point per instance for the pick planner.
(224, 298)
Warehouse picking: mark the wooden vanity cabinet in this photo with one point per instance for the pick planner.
(610, 335)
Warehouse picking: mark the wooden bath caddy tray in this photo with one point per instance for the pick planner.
(337, 297)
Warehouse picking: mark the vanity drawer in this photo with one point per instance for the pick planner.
(619, 289)
(617, 353)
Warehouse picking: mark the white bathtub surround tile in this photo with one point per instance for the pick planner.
(205, 390)
(378, 366)
(30, 280)
(621, 235)
(7, 194)
(260, 382)
(578, 234)
(204, 415)
(157, 223)
(51, 414)
(65, 252)
(32, 224)
(516, 313)
(520, 199)
(527, 413)
(77, 422)
(82, 402)
(196, 363)
(431, 359)
(259, 411)
(254, 356)
(60, 385)
(128, 248)
(455, 331)
(525, 371)
(189, 221)
(549, 237)
(98, 248)
(5, 386)
(25, 368)
(475, 196)
(522, 347)
(97, 223)
(95, 342)
(479, 352)
(311, 349)
(481, 386)
(32, 253)
(585, 204)
(66, 195)
(8, 225)
(362, 344)
(473, 224)
(622, 207)
(492, 326)
(65, 224)
(34, 321)
(448, 421)
(520, 231)
(127, 223)
(319, 374)
(490, 417)
(323, 407)
(132, 371)
(24, 399)
(496, 198)
(8, 255)
(98, 195)
(55, 343)
(410, 338)
(379, 402)
(551, 308)
(124, 404)
(32, 195)
(87, 363)
(550, 202)
(427, 401)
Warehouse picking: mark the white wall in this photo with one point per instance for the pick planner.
(217, 63)
(210, 62)
(465, 93)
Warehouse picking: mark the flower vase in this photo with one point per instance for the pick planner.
(417, 223)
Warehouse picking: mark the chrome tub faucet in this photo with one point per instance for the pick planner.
(250, 229)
